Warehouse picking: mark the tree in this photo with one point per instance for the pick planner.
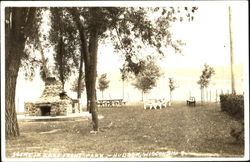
(21, 28)
(63, 37)
(205, 79)
(103, 83)
(124, 77)
(44, 71)
(129, 29)
(172, 85)
(74, 86)
(124, 26)
(147, 78)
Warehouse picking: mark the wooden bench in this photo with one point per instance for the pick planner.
(191, 101)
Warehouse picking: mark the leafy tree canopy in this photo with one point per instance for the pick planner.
(206, 75)
(132, 28)
(148, 76)
(63, 36)
(172, 85)
(103, 83)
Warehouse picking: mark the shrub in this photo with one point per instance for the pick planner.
(238, 133)
(232, 104)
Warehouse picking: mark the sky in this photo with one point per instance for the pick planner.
(207, 41)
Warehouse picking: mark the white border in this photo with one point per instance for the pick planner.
(117, 4)
(3, 83)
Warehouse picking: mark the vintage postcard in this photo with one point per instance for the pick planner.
(124, 80)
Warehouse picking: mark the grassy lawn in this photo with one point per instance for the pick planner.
(199, 131)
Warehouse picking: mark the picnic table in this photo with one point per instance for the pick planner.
(110, 103)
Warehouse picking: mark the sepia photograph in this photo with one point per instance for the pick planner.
(124, 80)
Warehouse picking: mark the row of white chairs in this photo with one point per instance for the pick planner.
(156, 104)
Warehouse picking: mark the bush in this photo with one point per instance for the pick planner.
(238, 133)
(233, 104)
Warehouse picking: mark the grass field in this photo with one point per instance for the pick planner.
(131, 131)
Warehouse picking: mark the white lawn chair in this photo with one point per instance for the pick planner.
(155, 104)
(150, 104)
(164, 103)
(158, 104)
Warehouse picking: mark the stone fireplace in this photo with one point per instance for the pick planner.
(53, 101)
(45, 110)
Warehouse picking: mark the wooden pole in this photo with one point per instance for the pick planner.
(231, 52)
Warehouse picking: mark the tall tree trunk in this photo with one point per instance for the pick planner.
(60, 55)
(89, 53)
(11, 124)
(61, 61)
(11, 72)
(93, 48)
(202, 95)
(79, 93)
(84, 58)
(18, 22)
(231, 52)
(88, 89)
(14, 45)
(170, 95)
(123, 89)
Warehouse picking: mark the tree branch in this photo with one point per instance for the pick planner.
(119, 39)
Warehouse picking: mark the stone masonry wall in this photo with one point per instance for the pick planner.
(31, 109)
(51, 96)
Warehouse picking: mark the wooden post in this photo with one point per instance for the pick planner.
(231, 52)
